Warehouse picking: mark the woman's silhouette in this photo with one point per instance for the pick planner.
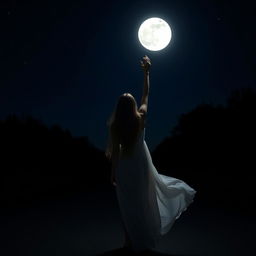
(149, 202)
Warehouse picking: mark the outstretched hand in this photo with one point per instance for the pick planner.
(145, 63)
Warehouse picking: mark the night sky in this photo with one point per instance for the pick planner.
(66, 62)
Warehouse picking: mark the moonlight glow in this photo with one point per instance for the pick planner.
(154, 34)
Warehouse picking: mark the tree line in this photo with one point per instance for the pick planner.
(211, 147)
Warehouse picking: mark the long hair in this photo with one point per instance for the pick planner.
(123, 126)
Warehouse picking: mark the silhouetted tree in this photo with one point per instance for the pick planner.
(212, 147)
(39, 161)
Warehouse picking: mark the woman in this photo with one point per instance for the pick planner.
(149, 202)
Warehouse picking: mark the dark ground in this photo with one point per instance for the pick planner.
(90, 224)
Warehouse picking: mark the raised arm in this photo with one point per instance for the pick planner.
(144, 100)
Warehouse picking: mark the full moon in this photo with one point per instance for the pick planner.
(154, 34)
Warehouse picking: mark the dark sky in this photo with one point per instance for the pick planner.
(66, 62)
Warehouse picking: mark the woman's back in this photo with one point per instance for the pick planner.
(136, 142)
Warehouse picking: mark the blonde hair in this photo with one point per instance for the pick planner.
(123, 125)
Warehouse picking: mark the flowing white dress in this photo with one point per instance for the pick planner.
(149, 202)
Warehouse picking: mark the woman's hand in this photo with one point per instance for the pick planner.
(145, 63)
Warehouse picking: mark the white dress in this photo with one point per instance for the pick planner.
(149, 202)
